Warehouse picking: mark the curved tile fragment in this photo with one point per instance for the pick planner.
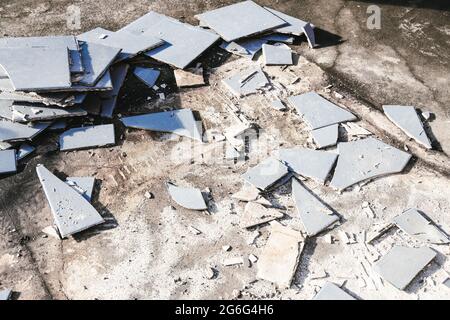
(366, 159)
(189, 198)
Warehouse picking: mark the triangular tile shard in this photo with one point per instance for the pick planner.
(24, 151)
(266, 173)
(279, 259)
(5, 294)
(366, 159)
(72, 213)
(240, 20)
(319, 112)
(147, 75)
(330, 291)
(309, 163)
(326, 136)
(315, 216)
(308, 30)
(402, 264)
(12, 131)
(109, 98)
(8, 162)
(294, 26)
(189, 198)
(256, 214)
(51, 73)
(87, 137)
(131, 44)
(277, 55)
(407, 119)
(420, 227)
(248, 82)
(83, 185)
(184, 43)
(180, 122)
(96, 61)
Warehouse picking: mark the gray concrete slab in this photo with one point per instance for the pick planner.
(180, 122)
(87, 137)
(147, 75)
(308, 30)
(331, 291)
(83, 185)
(240, 20)
(96, 61)
(420, 227)
(104, 83)
(266, 173)
(24, 151)
(189, 198)
(5, 294)
(326, 136)
(130, 43)
(8, 162)
(277, 55)
(53, 42)
(314, 164)
(184, 43)
(319, 112)
(402, 264)
(248, 82)
(294, 25)
(28, 113)
(366, 159)
(313, 213)
(109, 99)
(12, 131)
(6, 109)
(407, 119)
(52, 71)
(71, 212)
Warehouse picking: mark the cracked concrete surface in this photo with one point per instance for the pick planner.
(145, 250)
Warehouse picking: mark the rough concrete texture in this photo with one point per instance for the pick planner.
(146, 250)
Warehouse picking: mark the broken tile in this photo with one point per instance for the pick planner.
(366, 159)
(234, 133)
(247, 193)
(58, 125)
(293, 25)
(24, 151)
(447, 282)
(72, 213)
(109, 99)
(314, 214)
(256, 214)
(377, 231)
(189, 198)
(279, 259)
(266, 173)
(147, 75)
(248, 82)
(12, 131)
(180, 122)
(319, 112)
(27, 113)
(355, 130)
(314, 164)
(233, 261)
(131, 44)
(5, 145)
(52, 72)
(96, 61)
(407, 119)
(278, 105)
(330, 291)
(420, 227)
(5, 294)
(8, 162)
(401, 264)
(189, 78)
(87, 137)
(194, 230)
(326, 136)
(83, 185)
(252, 258)
(184, 43)
(276, 55)
(240, 20)
(308, 30)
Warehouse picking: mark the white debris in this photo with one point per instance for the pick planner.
(233, 261)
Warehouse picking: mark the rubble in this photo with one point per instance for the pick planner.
(402, 264)
(180, 122)
(188, 198)
(87, 137)
(279, 259)
(278, 105)
(71, 211)
(189, 78)
(233, 261)
(248, 82)
(248, 48)
(247, 193)
(407, 119)
(330, 291)
(194, 230)
(256, 214)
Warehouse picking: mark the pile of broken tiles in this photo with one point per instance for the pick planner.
(44, 81)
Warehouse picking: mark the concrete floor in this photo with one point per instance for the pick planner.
(146, 251)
